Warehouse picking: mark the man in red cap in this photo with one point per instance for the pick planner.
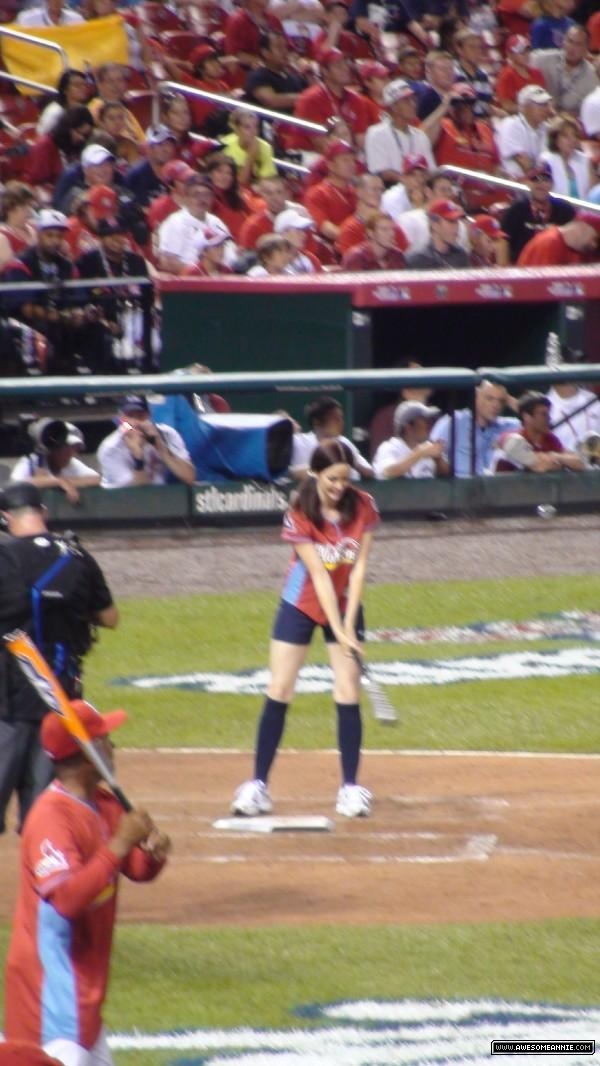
(516, 73)
(489, 243)
(75, 844)
(210, 74)
(332, 200)
(387, 143)
(329, 98)
(575, 242)
(534, 213)
(174, 175)
(442, 252)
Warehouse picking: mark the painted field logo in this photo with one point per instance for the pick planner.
(380, 1033)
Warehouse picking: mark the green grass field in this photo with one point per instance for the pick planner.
(175, 977)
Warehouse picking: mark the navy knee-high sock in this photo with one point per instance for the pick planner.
(268, 736)
(349, 739)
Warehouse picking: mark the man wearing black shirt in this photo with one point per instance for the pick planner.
(534, 213)
(274, 84)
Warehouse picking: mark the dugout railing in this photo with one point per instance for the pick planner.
(228, 502)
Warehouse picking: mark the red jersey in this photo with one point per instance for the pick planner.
(59, 955)
(338, 547)
(353, 231)
(318, 104)
(362, 257)
(326, 202)
(548, 248)
(200, 108)
(509, 82)
(548, 443)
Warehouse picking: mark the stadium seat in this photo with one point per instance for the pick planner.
(179, 43)
(136, 79)
(140, 102)
(18, 109)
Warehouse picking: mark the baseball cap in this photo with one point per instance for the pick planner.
(336, 148)
(20, 494)
(201, 53)
(94, 154)
(463, 93)
(48, 218)
(134, 403)
(399, 89)
(409, 410)
(446, 209)
(102, 201)
(533, 94)
(540, 170)
(159, 134)
(329, 55)
(22, 1053)
(58, 743)
(373, 69)
(590, 113)
(414, 162)
(488, 225)
(54, 433)
(292, 219)
(176, 170)
(108, 226)
(590, 218)
(209, 238)
(517, 44)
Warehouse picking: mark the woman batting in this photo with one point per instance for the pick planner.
(330, 527)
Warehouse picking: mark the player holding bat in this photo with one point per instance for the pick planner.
(330, 527)
(76, 842)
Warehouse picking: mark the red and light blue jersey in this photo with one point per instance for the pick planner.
(59, 956)
(338, 546)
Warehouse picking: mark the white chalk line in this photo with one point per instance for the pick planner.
(405, 753)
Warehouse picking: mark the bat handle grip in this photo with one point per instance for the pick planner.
(121, 797)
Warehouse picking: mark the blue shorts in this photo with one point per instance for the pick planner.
(295, 627)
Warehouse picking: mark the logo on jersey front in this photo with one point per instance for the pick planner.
(344, 553)
(51, 862)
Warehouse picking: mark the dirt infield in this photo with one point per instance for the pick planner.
(451, 839)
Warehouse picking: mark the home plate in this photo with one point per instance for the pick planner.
(315, 823)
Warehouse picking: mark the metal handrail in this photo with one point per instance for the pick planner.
(46, 89)
(515, 186)
(31, 39)
(235, 105)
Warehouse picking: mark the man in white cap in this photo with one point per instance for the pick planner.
(53, 463)
(388, 142)
(410, 453)
(568, 74)
(522, 138)
(96, 166)
(294, 226)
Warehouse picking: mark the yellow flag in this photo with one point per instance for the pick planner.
(97, 41)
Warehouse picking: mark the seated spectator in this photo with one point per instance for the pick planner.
(210, 74)
(252, 155)
(534, 213)
(489, 243)
(53, 462)
(330, 97)
(111, 82)
(332, 200)
(325, 417)
(442, 251)
(439, 79)
(74, 89)
(522, 138)
(294, 226)
(379, 251)
(142, 452)
(112, 118)
(568, 74)
(176, 235)
(91, 206)
(17, 229)
(232, 204)
(48, 14)
(177, 116)
(144, 179)
(572, 169)
(210, 249)
(409, 193)
(461, 139)
(410, 452)
(414, 223)
(374, 77)
(52, 152)
(468, 47)
(274, 255)
(389, 142)
(574, 413)
(273, 191)
(534, 447)
(518, 71)
(369, 193)
(243, 31)
(574, 242)
(51, 310)
(118, 332)
(339, 31)
(549, 30)
(456, 431)
(274, 83)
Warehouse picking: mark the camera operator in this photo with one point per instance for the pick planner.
(142, 452)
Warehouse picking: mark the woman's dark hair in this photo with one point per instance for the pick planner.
(560, 125)
(71, 119)
(231, 196)
(64, 82)
(328, 453)
(317, 411)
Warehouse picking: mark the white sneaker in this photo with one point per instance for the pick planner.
(252, 798)
(353, 801)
